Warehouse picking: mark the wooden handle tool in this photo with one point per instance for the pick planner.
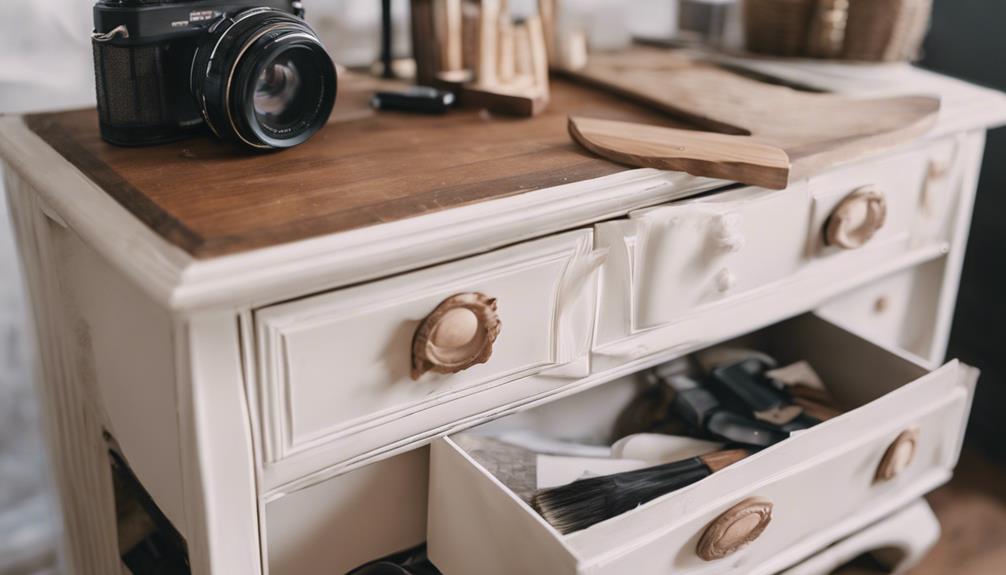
(745, 159)
(815, 130)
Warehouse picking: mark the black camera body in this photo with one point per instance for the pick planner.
(251, 70)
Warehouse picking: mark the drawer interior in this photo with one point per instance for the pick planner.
(881, 392)
(589, 417)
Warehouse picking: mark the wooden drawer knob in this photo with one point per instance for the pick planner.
(456, 335)
(856, 219)
(734, 528)
(899, 455)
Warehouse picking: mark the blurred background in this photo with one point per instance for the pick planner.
(45, 64)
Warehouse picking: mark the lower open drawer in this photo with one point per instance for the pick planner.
(812, 482)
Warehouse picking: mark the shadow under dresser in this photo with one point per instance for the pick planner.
(283, 349)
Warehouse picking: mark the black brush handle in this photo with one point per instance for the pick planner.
(633, 488)
(741, 381)
(700, 409)
(737, 428)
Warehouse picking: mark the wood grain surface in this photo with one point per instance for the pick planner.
(740, 158)
(972, 513)
(817, 130)
(210, 198)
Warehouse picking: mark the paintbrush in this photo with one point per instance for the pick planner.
(585, 502)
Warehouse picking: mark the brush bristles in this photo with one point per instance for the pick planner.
(570, 509)
(583, 503)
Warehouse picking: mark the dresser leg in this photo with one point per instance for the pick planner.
(78, 453)
(218, 470)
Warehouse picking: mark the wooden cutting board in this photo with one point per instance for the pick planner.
(755, 121)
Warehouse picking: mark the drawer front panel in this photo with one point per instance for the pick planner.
(348, 520)
(677, 260)
(899, 310)
(815, 480)
(339, 363)
(694, 254)
(897, 182)
(910, 533)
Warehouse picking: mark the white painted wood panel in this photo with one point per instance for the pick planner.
(348, 520)
(899, 310)
(337, 364)
(913, 310)
(218, 464)
(124, 345)
(671, 262)
(800, 475)
(73, 423)
(694, 253)
(907, 534)
(899, 179)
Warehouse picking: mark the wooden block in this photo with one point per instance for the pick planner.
(448, 22)
(539, 56)
(523, 61)
(453, 81)
(547, 12)
(424, 41)
(505, 100)
(488, 23)
(470, 16)
(572, 51)
(505, 70)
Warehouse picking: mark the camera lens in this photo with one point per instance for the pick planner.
(276, 88)
(263, 78)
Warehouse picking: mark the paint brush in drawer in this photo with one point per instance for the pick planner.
(584, 502)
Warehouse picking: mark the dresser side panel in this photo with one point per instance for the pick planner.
(122, 341)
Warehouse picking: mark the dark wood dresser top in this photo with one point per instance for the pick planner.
(210, 198)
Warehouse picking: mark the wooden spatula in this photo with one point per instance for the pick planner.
(815, 130)
(740, 158)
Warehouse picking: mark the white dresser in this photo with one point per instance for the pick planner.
(262, 391)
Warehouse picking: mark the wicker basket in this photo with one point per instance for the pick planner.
(870, 30)
(777, 27)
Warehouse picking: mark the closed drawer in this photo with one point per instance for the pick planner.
(900, 310)
(339, 364)
(672, 261)
(814, 481)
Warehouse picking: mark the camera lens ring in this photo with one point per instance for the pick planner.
(227, 65)
(311, 104)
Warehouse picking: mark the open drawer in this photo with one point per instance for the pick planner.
(810, 483)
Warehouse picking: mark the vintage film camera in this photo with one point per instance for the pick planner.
(251, 70)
